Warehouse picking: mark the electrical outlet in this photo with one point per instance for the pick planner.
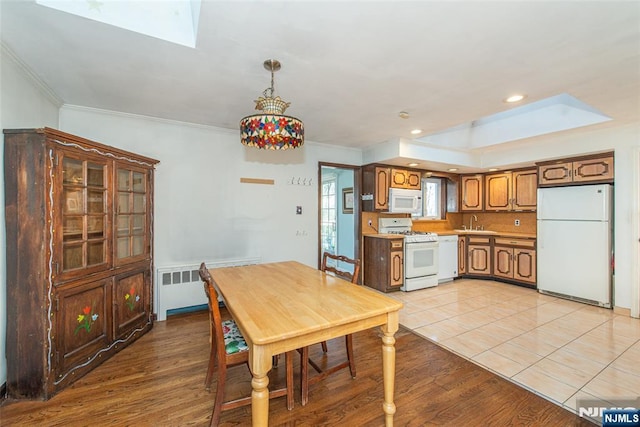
(517, 223)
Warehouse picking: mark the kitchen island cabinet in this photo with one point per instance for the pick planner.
(79, 236)
(384, 262)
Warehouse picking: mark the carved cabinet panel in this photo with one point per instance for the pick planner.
(511, 191)
(83, 319)
(462, 255)
(596, 168)
(471, 192)
(376, 181)
(402, 178)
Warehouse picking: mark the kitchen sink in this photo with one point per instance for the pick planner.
(475, 231)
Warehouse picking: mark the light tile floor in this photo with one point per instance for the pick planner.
(559, 349)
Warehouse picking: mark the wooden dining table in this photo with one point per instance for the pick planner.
(284, 306)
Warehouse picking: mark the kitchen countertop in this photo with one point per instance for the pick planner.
(385, 236)
(493, 234)
(459, 233)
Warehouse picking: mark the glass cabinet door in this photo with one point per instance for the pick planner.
(131, 214)
(84, 214)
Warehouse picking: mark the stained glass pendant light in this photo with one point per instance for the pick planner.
(271, 129)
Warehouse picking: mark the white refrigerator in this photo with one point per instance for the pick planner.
(574, 243)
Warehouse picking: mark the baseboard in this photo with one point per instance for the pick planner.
(622, 311)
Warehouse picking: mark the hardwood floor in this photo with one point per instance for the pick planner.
(159, 381)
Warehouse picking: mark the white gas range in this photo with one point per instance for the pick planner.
(420, 253)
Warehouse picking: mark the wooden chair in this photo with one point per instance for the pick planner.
(350, 362)
(228, 348)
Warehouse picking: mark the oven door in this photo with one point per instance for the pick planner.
(421, 259)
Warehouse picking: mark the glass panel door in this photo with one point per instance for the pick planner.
(131, 216)
(84, 202)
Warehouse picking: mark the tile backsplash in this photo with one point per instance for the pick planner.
(494, 221)
(504, 221)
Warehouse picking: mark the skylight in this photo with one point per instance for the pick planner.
(175, 21)
(554, 114)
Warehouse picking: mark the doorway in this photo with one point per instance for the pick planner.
(339, 210)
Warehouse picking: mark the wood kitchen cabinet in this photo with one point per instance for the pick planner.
(515, 259)
(592, 169)
(401, 178)
(471, 192)
(79, 237)
(511, 191)
(384, 263)
(479, 256)
(462, 255)
(376, 181)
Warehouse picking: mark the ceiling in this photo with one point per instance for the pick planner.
(348, 67)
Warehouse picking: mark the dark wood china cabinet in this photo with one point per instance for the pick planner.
(79, 221)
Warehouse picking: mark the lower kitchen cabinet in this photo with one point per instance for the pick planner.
(515, 259)
(511, 259)
(462, 255)
(383, 263)
(479, 256)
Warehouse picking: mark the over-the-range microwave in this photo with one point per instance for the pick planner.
(402, 200)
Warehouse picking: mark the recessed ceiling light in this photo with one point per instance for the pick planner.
(515, 98)
(412, 164)
(403, 115)
(452, 169)
(416, 131)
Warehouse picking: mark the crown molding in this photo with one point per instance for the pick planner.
(33, 77)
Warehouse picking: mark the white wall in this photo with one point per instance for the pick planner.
(23, 104)
(202, 211)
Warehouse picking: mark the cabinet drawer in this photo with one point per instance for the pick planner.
(525, 243)
(479, 240)
(396, 245)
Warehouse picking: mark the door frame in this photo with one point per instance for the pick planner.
(635, 274)
(357, 183)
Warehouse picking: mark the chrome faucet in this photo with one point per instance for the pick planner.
(471, 221)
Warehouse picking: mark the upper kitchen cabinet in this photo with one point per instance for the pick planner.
(588, 169)
(471, 192)
(79, 266)
(511, 191)
(375, 188)
(402, 178)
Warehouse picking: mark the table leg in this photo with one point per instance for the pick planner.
(260, 366)
(388, 372)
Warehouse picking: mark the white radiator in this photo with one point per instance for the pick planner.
(181, 287)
